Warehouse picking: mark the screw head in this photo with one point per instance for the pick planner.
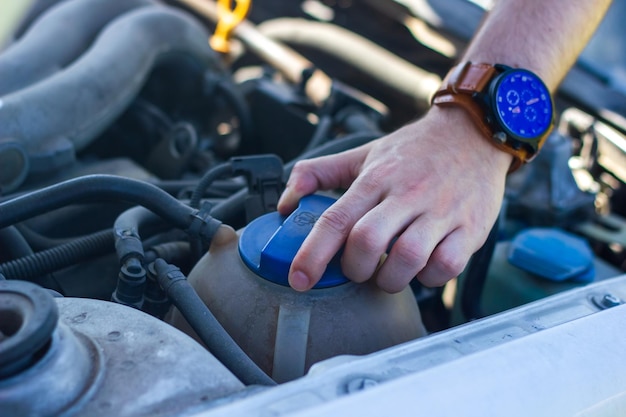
(499, 137)
(607, 301)
(360, 384)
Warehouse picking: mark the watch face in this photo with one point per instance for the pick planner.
(522, 104)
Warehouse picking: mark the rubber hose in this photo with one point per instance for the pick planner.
(208, 328)
(38, 241)
(50, 44)
(54, 259)
(36, 9)
(93, 188)
(13, 243)
(65, 112)
(390, 70)
(232, 208)
(476, 275)
(140, 219)
(321, 133)
(207, 179)
(177, 252)
(184, 187)
(239, 105)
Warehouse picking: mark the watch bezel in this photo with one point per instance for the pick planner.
(500, 124)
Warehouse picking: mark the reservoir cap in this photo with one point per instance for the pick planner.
(553, 254)
(269, 243)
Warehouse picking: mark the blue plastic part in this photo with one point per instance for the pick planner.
(553, 254)
(269, 243)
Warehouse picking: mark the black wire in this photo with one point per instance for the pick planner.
(476, 275)
(207, 179)
(207, 327)
(231, 208)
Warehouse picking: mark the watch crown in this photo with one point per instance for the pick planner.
(499, 137)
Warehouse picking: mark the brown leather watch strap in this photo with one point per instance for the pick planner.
(458, 88)
(468, 78)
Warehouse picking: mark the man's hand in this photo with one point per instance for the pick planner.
(436, 185)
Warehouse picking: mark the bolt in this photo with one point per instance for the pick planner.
(360, 384)
(607, 301)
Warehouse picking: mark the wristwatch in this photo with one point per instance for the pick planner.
(512, 107)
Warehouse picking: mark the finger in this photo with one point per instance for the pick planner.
(448, 259)
(370, 237)
(410, 253)
(323, 173)
(326, 238)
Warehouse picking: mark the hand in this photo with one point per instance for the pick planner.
(436, 185)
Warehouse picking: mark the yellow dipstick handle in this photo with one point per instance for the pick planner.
(228, 19)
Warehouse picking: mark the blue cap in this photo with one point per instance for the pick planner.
(553, 254)
(269, 243)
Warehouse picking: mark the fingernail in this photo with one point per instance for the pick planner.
(299, 281)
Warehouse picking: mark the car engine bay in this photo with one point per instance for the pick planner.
(143, 263)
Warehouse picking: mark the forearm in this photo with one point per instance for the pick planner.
(544, 36)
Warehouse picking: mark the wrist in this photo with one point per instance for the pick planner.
(466, 137)
(512, 107)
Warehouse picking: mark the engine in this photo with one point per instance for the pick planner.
(144, 145)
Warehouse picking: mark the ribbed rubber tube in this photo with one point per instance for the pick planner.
(63, 256)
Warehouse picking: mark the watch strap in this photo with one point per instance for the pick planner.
(458, 89)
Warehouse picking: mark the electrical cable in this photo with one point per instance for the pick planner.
(207, 179)
(41, 263)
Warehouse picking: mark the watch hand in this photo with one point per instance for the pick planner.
(532, 101)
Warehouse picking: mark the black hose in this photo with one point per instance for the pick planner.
(141, 219)
(207, 179)
(476, 275)
(39, 242)
(51, 260)
(208, 329)
(239, 105)
(321, 133)
(51, 44)
(93, 188)
(183, 188)
(51, 120)
(13, 243)
(232, 208)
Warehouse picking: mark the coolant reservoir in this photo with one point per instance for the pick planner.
(243, 281)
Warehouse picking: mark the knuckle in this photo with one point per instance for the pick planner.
(372, 183)
(410, 256)
(365, 239)
(301, 166)
(450, 264)
(335, 219)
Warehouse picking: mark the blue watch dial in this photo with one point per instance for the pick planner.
(522, 104)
